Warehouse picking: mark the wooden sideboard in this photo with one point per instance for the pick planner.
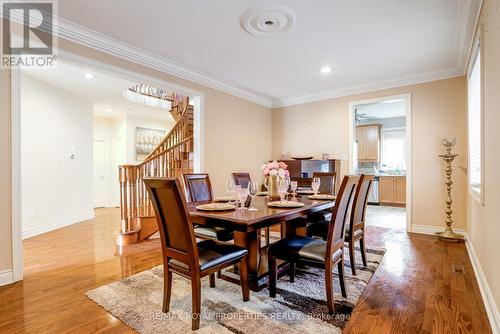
(297, 167)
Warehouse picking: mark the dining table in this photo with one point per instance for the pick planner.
(247, 226)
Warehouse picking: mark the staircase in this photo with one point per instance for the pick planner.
(171, 158)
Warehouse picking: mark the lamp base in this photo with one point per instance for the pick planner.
(449, 236)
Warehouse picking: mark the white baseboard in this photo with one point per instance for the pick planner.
(6, 277)
(31, 232)
(426, 229)
(488, 300)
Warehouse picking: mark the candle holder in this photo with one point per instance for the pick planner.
(448, 234)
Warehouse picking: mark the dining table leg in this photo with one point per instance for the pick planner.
(251, 242)
(296, 227)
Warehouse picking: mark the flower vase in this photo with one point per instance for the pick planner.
(273, 188)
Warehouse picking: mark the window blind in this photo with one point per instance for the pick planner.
(474, 124)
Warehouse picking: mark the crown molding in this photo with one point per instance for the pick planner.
(95, 40)
(87, 37)
(411, 80)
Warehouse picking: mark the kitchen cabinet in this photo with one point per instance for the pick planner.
(368, 139)
(392, 190)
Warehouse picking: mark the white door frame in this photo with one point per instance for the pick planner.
(15, 84)
(17, 230)
(409, 145)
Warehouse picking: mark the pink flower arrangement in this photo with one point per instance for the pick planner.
(275, 168)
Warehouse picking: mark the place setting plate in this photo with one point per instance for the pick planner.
(225, 199)
(216, 207)
(285, 204)
(323, 197)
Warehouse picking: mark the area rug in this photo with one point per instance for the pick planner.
(299, 307)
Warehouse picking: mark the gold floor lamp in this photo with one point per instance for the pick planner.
(448, 234)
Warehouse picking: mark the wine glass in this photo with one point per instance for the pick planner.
(230, 185)
(242, 194)
(282, 190)
(315, 185)
(266, 183)
(253, 189)
(294, 185)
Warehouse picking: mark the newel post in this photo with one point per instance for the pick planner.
(128, 204)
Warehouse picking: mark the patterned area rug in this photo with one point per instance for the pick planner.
(299, 307)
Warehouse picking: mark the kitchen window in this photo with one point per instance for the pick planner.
(394, 149)
(475, 124)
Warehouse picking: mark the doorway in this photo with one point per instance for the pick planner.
(77, 156)
(99, 174)
(380, 145)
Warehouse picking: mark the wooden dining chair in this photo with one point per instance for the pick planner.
(181, 254)
(355, 230)
(326, 186)
(327, 182)
(199, 189)
(241, 179)
(318, 252)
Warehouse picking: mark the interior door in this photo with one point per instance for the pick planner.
(99, 174)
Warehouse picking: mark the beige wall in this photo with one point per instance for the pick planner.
(484, 222)
(5, 175)
(438, 110)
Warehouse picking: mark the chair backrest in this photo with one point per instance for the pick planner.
(343, 204)
(172, 216)
(327, 184)
(302, 181)
(358, 212)
(241, 179)
(198, 187)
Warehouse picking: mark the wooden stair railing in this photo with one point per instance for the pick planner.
(171, 158)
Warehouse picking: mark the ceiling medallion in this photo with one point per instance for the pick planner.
(269, 20)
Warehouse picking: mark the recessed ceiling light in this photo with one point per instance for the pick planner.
(89, 76)
(325, 69)
(108, 109)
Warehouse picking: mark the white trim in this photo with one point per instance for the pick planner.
(31, 232)
(466, 38)
(431, 230)
(198, 120)
(409, 141)
(6, 277)
(433, 76)
(484, 288)
(477, 47)
(17, 247)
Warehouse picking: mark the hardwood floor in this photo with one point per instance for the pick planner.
(386, 216)
(415, 289)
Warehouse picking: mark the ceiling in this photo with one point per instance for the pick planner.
(380, 110)
(105, 91)
(369, 44)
